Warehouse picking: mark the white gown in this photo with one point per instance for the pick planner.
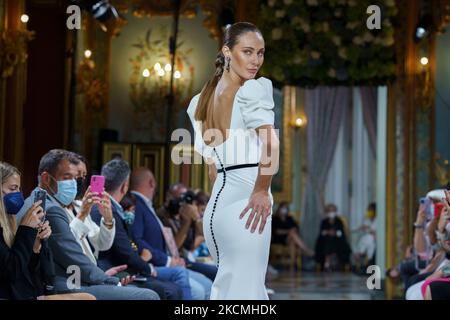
(241, 256)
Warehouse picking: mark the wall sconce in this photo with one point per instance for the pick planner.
(87, 53)
(424, 61)
(24, 18)
(299, 122)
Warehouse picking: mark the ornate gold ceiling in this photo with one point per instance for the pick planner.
(188, 8)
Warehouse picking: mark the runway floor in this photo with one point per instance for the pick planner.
(321, 286)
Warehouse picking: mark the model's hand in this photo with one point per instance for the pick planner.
(260, 206)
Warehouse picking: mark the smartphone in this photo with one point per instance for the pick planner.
(140, 279)
(97, 184)
(427, 202)
(41, 195)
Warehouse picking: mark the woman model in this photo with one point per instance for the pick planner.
(233, 122)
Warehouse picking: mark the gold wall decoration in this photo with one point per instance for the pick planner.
(151, 157)
(115, 150)
(13, 50)
(193, 171)
(188, 8)
(282, 181)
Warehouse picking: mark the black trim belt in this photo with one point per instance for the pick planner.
(239, 166)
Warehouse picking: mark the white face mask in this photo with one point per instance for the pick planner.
(332, 214)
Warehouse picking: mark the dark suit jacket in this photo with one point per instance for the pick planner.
(18, 265)
(66, 250)
(147, 233)
(121, 251)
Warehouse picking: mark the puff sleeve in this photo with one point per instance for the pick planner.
(199, 144)
(255, 98)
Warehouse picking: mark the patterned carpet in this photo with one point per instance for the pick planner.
(321, 286)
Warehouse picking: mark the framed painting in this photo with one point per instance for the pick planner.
(284, 105)
(151, 156)
(184, 169)
(115, 150)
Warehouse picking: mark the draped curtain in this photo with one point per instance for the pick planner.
(325, 108)
(369, 107)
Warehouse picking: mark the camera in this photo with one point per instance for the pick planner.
(175, 204)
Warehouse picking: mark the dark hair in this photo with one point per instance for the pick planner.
(81, 159)
(128, 201)
(373, 206)
(50, 161)
(201, 197)
(115, 172)
(230, 39)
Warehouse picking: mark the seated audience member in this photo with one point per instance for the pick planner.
(332, 242)
(81, 224)
(200, 249)
(285, 231)
(117, 174)
(185, 222)
(57, 172)
(150, 233)
(436, 284)
(365, 251)
(25, 263)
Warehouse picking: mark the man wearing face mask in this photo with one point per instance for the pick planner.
(332, 241)
(57, 173)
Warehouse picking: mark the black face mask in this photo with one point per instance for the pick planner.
(81, 187)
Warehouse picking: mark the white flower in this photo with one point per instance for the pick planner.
(390, 3)
(271, 3)
(315, 55)
(388, 41)
(297, 60)
(351, 25)
(280, 13)
(306, 28)
(342, 52)
(336, 40)
(277, 34)
(297, 20)
(368, 37)
(357, 40)
(312, 3)
(332, 73)
(287, 2)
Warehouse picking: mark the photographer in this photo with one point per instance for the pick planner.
(182, 216)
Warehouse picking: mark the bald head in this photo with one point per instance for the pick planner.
(143, 181)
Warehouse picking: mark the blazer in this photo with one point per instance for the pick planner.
(18, 265)
(67, 251)
(147, 233)
(121, 251)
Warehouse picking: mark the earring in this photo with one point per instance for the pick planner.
(228, 64)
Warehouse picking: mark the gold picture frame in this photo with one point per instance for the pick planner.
(193, 171)
(151, 156)
(116, 150)
(285, 101)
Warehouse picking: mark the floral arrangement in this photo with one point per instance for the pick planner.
(13, 49)
(148, 93)
(327, 42)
